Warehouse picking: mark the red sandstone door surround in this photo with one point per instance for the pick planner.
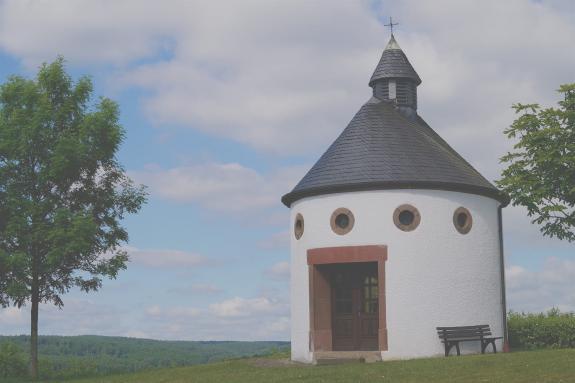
(321, 300)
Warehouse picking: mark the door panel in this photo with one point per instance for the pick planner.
(355, 302)
(343, 322)
(369, 318)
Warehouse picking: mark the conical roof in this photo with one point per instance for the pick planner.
(386, 146)
(394, 64)
(383, 149)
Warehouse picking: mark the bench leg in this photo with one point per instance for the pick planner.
(484, 345)
(447, 348)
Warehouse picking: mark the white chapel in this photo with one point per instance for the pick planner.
(393, 234)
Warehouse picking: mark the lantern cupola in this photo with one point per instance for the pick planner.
(394, 78)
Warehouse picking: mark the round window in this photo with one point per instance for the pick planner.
(342, 221)
(406, 217)
(462, 220)
(298, 226)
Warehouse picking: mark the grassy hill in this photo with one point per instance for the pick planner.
(67, 356)
(529, 366)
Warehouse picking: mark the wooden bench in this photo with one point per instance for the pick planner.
(451, 336)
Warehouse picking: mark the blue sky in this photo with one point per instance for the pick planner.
(227, 105)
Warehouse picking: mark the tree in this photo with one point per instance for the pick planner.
(540, 173)
(63, 192)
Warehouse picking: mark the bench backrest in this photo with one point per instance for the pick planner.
(477, 331)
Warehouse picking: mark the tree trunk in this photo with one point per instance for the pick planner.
(34, 329)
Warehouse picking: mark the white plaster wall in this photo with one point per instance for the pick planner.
(435, 276)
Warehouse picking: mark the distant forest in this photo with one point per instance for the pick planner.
(66, 356)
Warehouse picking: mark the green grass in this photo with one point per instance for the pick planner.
(528, 366)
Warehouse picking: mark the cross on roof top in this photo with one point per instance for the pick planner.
(390, 25)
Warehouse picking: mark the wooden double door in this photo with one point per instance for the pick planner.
(355, 306)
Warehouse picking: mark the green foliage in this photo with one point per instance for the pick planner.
(13, 361)
(63, 357)
(540, 173)
(62, 190)
(553, 329)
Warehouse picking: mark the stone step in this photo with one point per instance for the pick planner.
(339, 357)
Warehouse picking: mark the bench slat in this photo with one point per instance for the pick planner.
(455, 333)
(477, 336)
(470, 338)
(464, 332)
(463, 327)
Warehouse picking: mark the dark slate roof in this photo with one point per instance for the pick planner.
(394, 64)
(382, 149)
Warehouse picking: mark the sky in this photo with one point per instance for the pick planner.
(227, 104)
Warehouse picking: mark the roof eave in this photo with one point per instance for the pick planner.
(496, 194)
(417, 80)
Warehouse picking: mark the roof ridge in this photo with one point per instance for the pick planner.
(449, 147)
(443, 144)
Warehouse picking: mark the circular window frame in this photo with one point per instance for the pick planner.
(335, 228)
(468, 223)
(416, 217)
(298, 231)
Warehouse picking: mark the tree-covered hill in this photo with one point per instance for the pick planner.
(62, 356)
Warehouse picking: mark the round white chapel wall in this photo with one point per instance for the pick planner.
(434, 275)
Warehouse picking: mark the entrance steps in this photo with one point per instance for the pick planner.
(338, 357)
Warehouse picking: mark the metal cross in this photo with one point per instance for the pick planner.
(390, 25)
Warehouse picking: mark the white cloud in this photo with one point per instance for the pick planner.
(258, 318)
(205, 288)
(241, 307)
(276, 76)
(10, 316)
(280, 271)
(153, 310)
(165, 258)
(197, 289)
(107, 31)
(287, 77)
(172, 312)
(280, 325)
(540, 290)
(278, 240)
(237, 318)
(228, 186)
(79, 316)
(472, 72)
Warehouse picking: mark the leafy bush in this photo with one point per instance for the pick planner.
(553, 329)
(13, 362)
(65, 368)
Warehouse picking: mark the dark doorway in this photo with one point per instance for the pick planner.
(355, 311)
